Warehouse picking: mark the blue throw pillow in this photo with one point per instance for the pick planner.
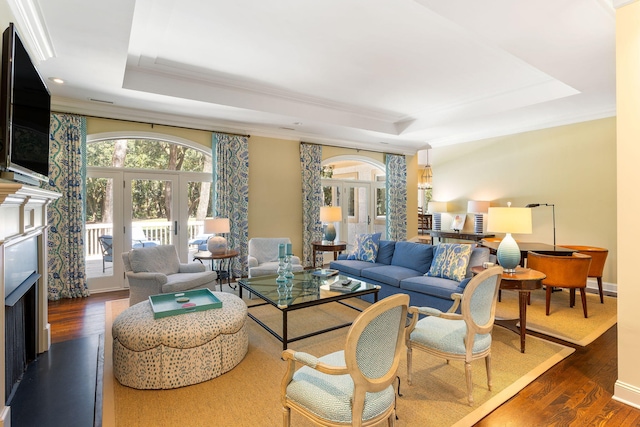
(366, 247)
(450, 261)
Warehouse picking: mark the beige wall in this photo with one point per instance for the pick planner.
(627, 388)
(275, 190)
(573, 167)
(96, 125)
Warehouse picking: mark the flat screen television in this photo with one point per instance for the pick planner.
(25, 113)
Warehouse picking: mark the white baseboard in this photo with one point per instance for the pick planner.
(608, 288)
(627, 394)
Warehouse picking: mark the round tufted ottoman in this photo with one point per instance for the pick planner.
(180, 350)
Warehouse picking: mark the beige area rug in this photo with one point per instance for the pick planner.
(563, 322)
(249, 394)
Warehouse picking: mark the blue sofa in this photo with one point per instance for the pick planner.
(401, 267)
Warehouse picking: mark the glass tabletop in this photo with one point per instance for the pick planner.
(305, 288)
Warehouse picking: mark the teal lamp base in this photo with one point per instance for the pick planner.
(329, 233)
(508, 254)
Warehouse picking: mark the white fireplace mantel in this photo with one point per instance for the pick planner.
(23, 215)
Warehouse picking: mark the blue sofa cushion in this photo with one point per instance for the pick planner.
(366, 247)
(478, 257)
(414, 256)
(389, 274)
(385, 251)
(436, 286)
(353, 267)
(451, 261)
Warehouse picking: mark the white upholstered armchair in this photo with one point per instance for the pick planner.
(262, 256)
(158, 270)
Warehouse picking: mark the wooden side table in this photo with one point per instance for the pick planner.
(524, 280)
(219, 268)
(334, 247)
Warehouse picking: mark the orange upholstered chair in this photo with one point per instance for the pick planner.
(563, 272)
(598, 258)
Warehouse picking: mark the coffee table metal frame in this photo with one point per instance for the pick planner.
(308, 284)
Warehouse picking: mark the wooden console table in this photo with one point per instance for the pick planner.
(524, 280)
(440, 234)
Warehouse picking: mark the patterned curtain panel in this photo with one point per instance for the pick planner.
(311, 165)
(231, 195)
(67, 173)
(396, 197)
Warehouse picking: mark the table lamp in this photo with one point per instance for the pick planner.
(436, 208)
(216, 243)
(478, 208)
(329, 215)
(509, 220)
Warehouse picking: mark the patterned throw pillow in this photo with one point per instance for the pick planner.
(450, 261)
(366, 247)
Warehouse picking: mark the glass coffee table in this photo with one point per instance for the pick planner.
(304, 290)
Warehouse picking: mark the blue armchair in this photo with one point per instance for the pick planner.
(459, 336)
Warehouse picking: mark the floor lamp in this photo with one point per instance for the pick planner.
(553, 210)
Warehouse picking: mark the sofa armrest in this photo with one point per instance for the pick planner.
(295, 260)
(342, 256)
(252, 261)
(194, 267)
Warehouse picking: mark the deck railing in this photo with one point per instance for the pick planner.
(155, 231)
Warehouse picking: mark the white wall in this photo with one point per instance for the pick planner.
(627, 388)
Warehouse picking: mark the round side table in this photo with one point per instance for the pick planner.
(322, 246)
(524, 280)
(220, 267)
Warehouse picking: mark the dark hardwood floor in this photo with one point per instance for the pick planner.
(575, 392)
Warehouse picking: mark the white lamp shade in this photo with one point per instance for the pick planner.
(510, 220)
(434, 207)
(217, 225)
(477, 207)
(330, 213)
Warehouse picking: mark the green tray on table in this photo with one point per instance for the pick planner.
(165, 305)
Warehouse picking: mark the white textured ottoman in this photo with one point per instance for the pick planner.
(180, 350)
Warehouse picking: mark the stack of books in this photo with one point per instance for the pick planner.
(346, 285)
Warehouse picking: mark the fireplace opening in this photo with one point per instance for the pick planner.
(20, 311)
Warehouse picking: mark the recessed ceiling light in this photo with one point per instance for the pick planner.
(57, 80)
(297, 123)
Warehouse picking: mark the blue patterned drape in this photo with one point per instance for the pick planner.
(67, 173)
(311, 165)
(396, 197)
(231, 192)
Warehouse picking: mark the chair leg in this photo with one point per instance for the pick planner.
(409, 357)
(487, 363)
(286, 416)
(600, 289)
(572, 297)
(467, 372)
(583, 296)
(548, 298)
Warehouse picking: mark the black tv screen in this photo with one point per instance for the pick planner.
(26, 111)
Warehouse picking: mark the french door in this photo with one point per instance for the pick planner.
(135, 209)
(363, 207)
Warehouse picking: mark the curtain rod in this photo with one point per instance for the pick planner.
(153, 124)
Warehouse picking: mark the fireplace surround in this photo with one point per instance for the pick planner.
(25, 330)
